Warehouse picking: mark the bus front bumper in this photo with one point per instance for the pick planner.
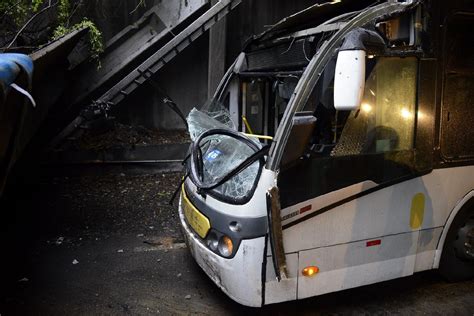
(240, 277)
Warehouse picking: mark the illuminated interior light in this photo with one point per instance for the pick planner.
(406, 114)
(372, 92)
(367, 108)
(310, 271)
(335, 1)
(370, 56)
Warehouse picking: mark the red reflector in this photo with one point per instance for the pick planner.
(374, 243)
(305, 209)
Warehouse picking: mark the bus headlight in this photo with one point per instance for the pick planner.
(221, 244)
(212, 241)
(225, 246)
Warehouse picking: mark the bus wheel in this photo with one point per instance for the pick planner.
(457, 260)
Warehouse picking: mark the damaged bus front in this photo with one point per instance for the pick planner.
(312, 169)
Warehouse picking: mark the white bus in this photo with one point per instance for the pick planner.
(337, 153)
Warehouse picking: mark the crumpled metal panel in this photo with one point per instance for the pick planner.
(314, 15)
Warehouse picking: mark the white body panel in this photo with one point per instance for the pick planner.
(240, 277)
(428, 241)
(335, 240)
(383, 212)
(349, 265)
(286, 289)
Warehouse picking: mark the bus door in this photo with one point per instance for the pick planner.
(254, 107)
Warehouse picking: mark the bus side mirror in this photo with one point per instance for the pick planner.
(349, 80)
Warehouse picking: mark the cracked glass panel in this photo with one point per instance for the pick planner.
(221, 154)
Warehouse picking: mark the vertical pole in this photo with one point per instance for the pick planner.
(217, 50)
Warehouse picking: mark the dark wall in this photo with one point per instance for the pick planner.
(184, 79)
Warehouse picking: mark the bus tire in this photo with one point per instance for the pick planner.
(457, 259)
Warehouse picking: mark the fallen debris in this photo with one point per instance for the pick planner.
(59, 241)
(120, 135)
(164, 248)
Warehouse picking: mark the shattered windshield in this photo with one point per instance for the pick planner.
(221, 154)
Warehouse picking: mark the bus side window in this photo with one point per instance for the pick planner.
(457, 134)
(385, 121)
(374, 143)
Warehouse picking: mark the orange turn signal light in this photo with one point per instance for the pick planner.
(310, 271)
(228, 243)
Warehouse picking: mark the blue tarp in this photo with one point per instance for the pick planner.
(10, 67)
